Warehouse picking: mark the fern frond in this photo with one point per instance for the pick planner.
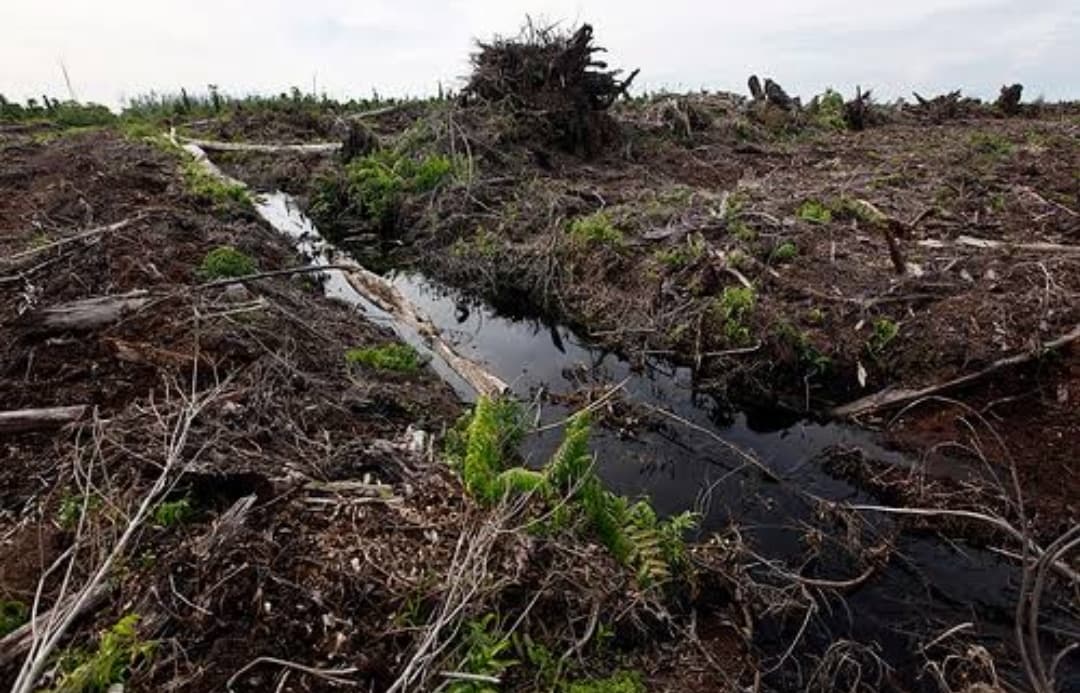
(482, 453)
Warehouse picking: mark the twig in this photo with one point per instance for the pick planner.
(17, 257)
(324, 674)
(894, 397)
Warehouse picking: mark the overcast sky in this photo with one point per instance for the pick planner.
(115, 49)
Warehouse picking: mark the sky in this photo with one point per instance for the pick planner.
(117, 49)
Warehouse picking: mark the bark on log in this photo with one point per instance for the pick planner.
(987, 244)
(256, 148)
(85, 314)
(895, 397)
(26, 420)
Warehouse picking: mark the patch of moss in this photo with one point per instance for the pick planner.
(396, 357)
(620, 682)
(990, 144)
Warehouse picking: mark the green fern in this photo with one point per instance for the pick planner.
(632, 532)
(481, 464)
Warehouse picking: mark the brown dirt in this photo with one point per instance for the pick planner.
(321, 578)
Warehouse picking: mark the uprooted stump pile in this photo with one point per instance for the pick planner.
(552, 84)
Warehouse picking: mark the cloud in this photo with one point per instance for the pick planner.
(118, 48)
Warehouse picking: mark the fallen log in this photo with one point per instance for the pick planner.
(27, 420)
(385, 296)
(17, 643)
(85, 314)
(987, 244)
(893, 397)
(257, 148)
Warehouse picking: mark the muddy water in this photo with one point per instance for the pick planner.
(930, 585)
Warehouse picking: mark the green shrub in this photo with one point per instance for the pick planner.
(827, 110)
(12, 615)
(815, 211)
(595, 229)
(94, 672)
(207, 187)
(733, 308)
(397, 357)
(225, 262)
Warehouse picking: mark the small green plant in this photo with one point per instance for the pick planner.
(733, 308)
(119, 649)
(885, 332)
(12, 615)
(397, 357)
(620, 682)
(990, 144)
(785, 252)
(827, 110)
(811, 360)
(173, 513)
(815, 211)
(485, 650)
(741, 231)
(225, 262)
(595, 229)
(71, 509)
(815, 316)
(207, 187)
(684, 254)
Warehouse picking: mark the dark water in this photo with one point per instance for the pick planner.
(930, 584)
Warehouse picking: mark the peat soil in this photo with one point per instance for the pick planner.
(315, 527)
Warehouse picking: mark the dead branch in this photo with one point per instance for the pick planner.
(26, 420)
(17, 642)
(894, 397)
(260, 148)
(987, 244)
(17, 258)
(85, 314)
